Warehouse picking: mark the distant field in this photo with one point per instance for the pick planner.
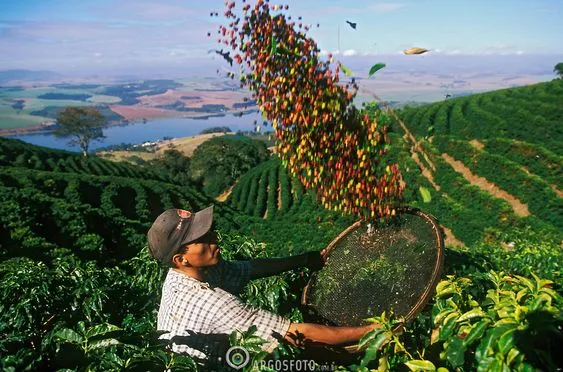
(9, 118)
(130, 100)
(185, 145)
(101, 98)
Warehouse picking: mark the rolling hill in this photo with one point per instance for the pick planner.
(79, 290)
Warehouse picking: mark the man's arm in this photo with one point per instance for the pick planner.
(273, 266)
(318, 335)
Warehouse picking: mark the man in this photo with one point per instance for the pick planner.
(199, 309)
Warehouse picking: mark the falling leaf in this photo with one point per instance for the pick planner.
(273, 45)
(375, 68)
(415, 51)
(346, 70)
(426, 197)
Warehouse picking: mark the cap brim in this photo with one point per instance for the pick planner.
(200, 225)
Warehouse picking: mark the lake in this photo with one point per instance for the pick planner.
(152, 130)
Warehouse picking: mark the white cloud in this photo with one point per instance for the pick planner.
(349, 52)
(385, 7)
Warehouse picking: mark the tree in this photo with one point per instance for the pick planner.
(558, 69)
(217, 163)
(174, 162)
(82, 125)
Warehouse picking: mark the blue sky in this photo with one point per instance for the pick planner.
(102, 35)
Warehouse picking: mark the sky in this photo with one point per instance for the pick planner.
(104, 36)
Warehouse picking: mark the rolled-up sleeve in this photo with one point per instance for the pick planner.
(232, 314)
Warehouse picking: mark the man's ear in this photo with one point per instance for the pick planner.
(178, 260)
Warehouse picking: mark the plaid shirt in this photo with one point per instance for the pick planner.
(199, 316)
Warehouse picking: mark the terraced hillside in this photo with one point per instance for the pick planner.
(531, 114)
(268, 191)
(96, 209)
(491, 161)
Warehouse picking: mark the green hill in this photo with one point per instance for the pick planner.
(531, 114)
(516, 150)
(78, 289)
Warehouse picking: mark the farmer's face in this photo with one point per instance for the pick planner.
(204, 251)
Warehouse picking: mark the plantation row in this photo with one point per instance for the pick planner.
(508, 114)
(535, 159)
(268, 191)
(17, 154)
(542, 201)
(101, 217)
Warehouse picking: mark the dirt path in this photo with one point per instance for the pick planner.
(478, 145)
(449, 238)
(557, 191)
(415, 145)
(425, 172)
(521, 209)
(223, 197)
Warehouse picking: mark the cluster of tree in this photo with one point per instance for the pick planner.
(217, 163)
(130, 92)
(558, 69)
(18, 105)
(125, 147)
(216, 130)
(53, 112)
(65, 96)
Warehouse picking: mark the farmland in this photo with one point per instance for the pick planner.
(29, 108)
(73, 237)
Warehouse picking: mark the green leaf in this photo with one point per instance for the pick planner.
(375, 68)
(370, 336)
(446, 330)
(69, 335)
(420, 365)
(273, 45)
(455, 353)
(474, 313)
(426, 196)
(184, 361)
(476, 332)
(506, 342)
(485, 347)
(373, 348)
(440, 316)
(512, 354)
(101, 329)
(345, 69)
(100, 344)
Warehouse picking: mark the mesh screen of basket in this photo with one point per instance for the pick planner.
(382, 267)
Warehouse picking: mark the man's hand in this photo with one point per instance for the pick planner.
(316, 260)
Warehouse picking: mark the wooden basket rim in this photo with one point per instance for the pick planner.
(436, 273)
